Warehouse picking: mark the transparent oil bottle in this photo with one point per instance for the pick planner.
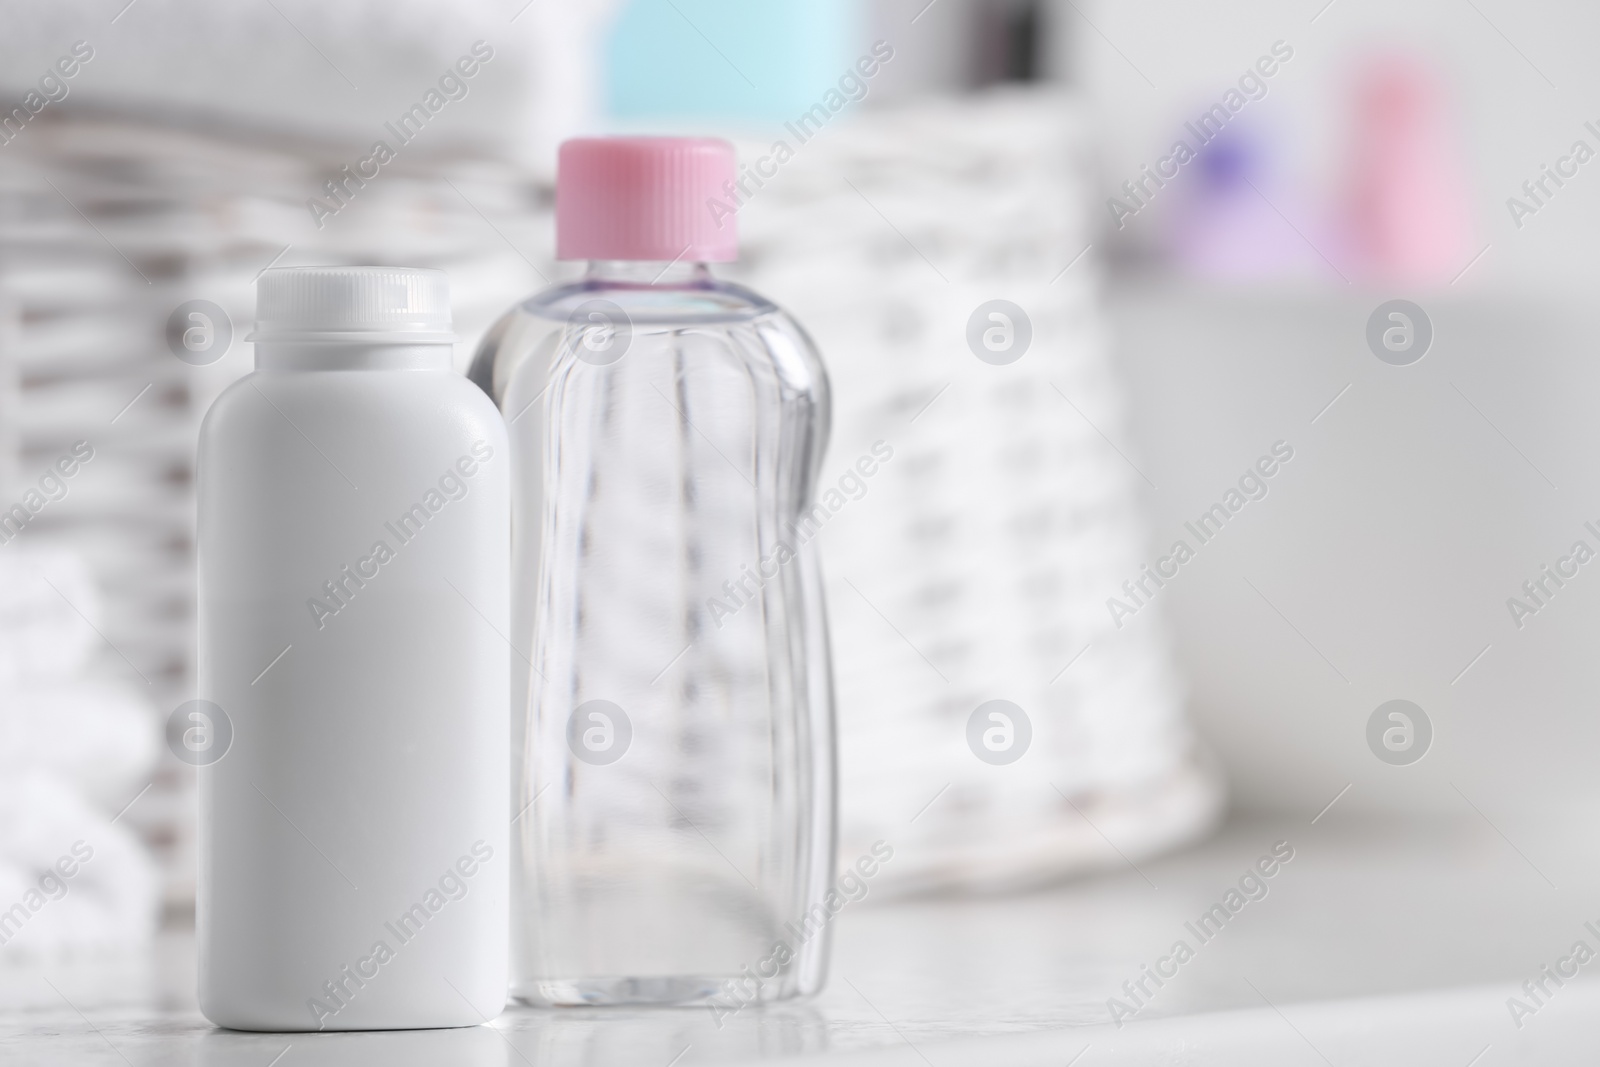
(674, 780)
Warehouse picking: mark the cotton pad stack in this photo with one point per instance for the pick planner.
(974, 565)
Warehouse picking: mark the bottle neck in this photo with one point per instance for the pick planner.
(646, 272)
(344, 355)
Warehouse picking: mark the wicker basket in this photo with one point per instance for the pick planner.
(106, 226)
(976, 564)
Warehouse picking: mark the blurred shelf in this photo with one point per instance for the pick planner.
(1379, 941)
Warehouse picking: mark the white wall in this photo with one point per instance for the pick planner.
(1409, 515)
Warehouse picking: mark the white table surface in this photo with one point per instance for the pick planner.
(1378, 943)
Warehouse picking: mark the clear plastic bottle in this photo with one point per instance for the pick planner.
(674, 770)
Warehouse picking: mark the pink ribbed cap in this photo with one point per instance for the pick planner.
(645, 198)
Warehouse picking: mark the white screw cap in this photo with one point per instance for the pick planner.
(409, 305)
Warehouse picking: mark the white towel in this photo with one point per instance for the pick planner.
(73, 752)
(337, 70)
(100, 737)
(48, 612)
(71, 881)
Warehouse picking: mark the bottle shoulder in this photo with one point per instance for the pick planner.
(532, 334)
(413, 398)
(710, 301)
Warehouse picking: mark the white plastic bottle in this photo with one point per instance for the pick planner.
(353, 596)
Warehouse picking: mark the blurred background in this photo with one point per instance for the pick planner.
(1202, 213)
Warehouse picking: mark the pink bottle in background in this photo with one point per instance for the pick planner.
(1406, 203)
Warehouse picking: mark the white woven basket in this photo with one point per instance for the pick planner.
(974, 567)
(976, 564)
(106, 226)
